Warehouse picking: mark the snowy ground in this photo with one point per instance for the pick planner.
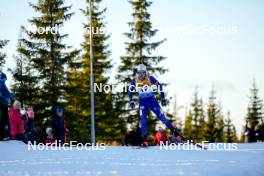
(15, 159)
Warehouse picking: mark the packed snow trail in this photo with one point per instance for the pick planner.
(16, 159)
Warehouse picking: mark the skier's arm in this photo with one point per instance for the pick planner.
(159, 86)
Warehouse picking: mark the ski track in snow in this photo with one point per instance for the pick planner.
(17, 160)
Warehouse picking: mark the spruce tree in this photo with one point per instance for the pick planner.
(2, 55)
(24, 83)
(213, 118)
(195, 120)
(202, 123)
(219, 137)
(230, 130)
(139, 49)
(188, 127)
(74, 98)
(255, 107)
(46, 58)
(108, 126)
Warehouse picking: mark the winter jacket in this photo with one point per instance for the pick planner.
(30, 125)
(16, 122)
(3, 76)
(5, 95)
(160, 137)
(139, 86)
(58, 124)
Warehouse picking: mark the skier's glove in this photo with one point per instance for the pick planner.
(132, 104)
(163, 102)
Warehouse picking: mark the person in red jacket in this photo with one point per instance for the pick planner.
(160, 137)
(17, 122)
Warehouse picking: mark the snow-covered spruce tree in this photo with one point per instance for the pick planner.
(214, 127)
(2, 55)
(139, 49)
(46, 53)
(229, 130)
(109, 127)
(255, 107)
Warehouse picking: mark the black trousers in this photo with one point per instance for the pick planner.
(4, 122)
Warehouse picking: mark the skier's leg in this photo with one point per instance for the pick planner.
(155, 107)
(143, 111)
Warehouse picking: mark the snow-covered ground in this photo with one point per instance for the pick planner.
(16, 159)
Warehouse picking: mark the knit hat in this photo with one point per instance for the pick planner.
(141, 67)
(17, 104)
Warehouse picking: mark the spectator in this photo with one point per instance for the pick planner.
(58, 125)
(5, 97)
(160, 137)
(30, 126)
(17, 122)
(249, 134)
(50, 138)
(259, 132)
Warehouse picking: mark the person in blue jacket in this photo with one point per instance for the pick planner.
(144, 85)
(58, 125)
(5, 99)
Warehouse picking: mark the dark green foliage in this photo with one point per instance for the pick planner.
(229, 130)
(2, 55)
(194, 128)
(215, 124)
(139, 49)
(255, 107)
(24, 82)
(43, 58)
(108, 126)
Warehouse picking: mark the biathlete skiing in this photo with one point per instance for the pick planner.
(143, 84)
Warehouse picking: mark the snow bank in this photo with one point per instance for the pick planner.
(16, 159)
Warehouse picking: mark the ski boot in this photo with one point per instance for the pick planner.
(145, 142)
(176, 136)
